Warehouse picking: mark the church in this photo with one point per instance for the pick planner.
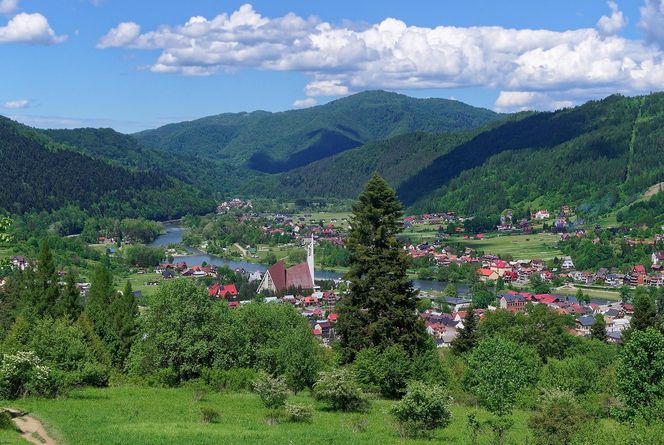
(278, 278)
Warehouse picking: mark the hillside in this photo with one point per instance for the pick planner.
(121, 149)
(278, 142)
(599, 155)
(40, 174)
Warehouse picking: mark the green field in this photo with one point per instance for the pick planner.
(593, 291)
(11, 438)
(158, 416)
(537, 246)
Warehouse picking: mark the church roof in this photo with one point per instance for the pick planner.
(278, 274)
(299, 276)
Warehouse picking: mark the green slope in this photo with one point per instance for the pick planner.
(41, 174)
(277, 142)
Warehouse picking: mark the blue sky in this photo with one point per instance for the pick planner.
(134, 64)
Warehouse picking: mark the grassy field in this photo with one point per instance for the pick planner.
(8, 437)
(156, 416)
(594, 292)
(537, 246)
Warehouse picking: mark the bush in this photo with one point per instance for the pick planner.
(234, 380)
(388, 371)
(340, 391)
(557, 419)
(272, 391)
(6, 422)
(210, 415)
(299, 413)
(423, 409)
(22, 375)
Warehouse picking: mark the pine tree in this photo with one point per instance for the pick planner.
(46, 298)
(466, 338)
(598, 328)
(380, 308)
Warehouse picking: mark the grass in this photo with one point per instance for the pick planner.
(8, 437)
(145, 416)
(593, 291)
(537, 246)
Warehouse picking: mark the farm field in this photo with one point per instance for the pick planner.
(146, 416)
(536, 246)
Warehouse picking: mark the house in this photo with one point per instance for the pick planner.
(567, 263)
(542, 214)
(638, 275)
(657, 258)
(168, 274)
(583, 324)
(512, 303)
(487, 274)
(19, 262)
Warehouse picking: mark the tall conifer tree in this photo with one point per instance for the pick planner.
(380, 308)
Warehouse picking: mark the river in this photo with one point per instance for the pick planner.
(174, 235)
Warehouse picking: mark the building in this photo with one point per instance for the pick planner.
(278, 278)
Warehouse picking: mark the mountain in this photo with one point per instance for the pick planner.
(598, 155)
(42, 174)
(277, 142)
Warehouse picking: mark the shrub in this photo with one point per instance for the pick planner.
(358, 423)
(423, 409)
(570, 374)
(388, 371)
(557, 419)
(199, 389)
(22, 375)
(234, 380)
(6, 422)
(210, 415)
(299, 413)
(340, 391)
(272, 391)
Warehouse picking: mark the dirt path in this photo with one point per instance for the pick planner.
(31, 429)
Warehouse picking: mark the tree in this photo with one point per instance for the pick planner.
(339, 390)
(556, 419)
(581, 297)
(645, 313)
(640, 373)
(451, 291)
(466, 338)
(498, 369)
(122, 318)
(270, 258)
(180, 332)
(424, 408)
(380, 308)
(99, 300)
(500, 284)
(598, 329)
(69, 304)
(625, 294)
(47, 277)
(538, 285)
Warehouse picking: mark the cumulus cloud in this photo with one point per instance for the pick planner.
(8, 6)
(614, 23)
(652, 21)
(29, 28)
(16, 104)
(122, 35)
(304, 103)
(556, 67)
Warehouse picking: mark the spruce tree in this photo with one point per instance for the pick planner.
(69, 304)
(380, 308)
(598, 328)
(47, 282)
(99, 299)
(645, 313)
(122, 319)
(466, 338)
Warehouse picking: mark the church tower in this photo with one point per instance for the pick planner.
(310, 259)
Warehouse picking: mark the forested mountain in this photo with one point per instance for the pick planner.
(597, 155)
(277, 142)
(40, 174)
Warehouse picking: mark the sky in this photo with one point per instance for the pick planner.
(137, 64)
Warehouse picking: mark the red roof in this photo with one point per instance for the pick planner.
(298, 276)
(485, 272)
(332, 317)
(228, 289)
(639, 268)
(278, 274)
(214, 290)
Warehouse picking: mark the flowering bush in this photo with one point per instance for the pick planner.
(423, 408)
(22, 375)
(299, 413)
(272, 391)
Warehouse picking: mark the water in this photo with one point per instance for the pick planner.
(174, 235)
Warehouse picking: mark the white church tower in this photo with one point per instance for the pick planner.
(310, 259)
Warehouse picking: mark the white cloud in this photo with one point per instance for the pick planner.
(304, 103)
(29, 28)
(614, 23)
(326, 88)
(122, 35)
(15, 104)
(8, 6)
(566, 66)
(652, 21)
(528, 100)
